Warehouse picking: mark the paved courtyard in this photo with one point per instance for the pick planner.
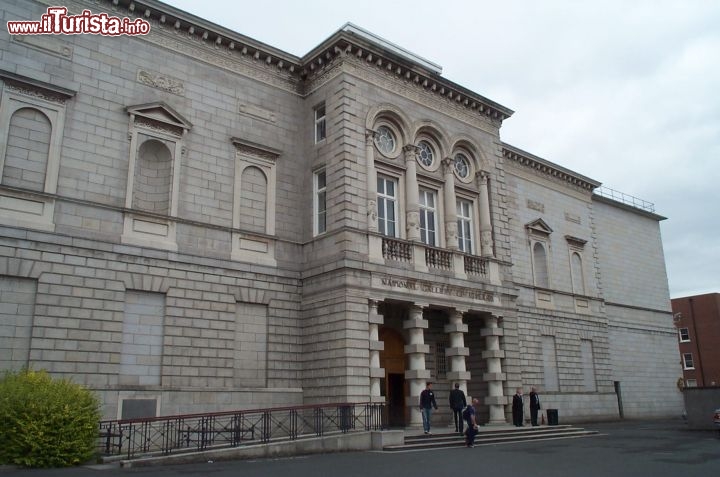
(623, 449)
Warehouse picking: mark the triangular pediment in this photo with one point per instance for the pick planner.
(160, 112)
(539, 227)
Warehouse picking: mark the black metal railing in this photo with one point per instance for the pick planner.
(197, 432)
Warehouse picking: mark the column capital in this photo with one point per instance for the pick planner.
(482, 177)
(411, 152)
(459, 311)
(493, 320)
(448, 165)
(369, 137)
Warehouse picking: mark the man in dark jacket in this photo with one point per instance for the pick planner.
(427, 403)
(517, 408)
(534, 406)
(457, 404)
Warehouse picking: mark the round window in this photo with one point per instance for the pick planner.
(462, 166)
(425, 153)
(385, 140)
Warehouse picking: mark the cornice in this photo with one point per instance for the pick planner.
(187, 34)
(546, 168)
(368, 56)
(180, 31)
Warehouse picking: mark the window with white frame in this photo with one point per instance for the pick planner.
(691, 383)
(320, 202)
(428, 217)
(465, 225)
(688, 361)
(387, 188)
(684, 335)
(320, 123)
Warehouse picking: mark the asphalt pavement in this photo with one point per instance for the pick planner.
(622, 449)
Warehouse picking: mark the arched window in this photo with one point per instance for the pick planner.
(253, 200)
(153, 178)
(28, 147)
(540, 269)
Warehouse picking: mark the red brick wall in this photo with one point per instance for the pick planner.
(700, 314)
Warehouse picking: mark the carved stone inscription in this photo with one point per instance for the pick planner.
(427, 287)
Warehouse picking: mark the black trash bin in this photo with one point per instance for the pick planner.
(552, 415)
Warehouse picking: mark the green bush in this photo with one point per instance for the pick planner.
(46, 422)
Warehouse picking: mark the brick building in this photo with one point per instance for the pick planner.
(192, 220)
(697, 319)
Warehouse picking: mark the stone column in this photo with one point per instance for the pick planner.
(416, 349)
(412, 194)
(371, 180)
(376, 372)
(457, 352)
(494, 376)
(451, 231)
(486, 241)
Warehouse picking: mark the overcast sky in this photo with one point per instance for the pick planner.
(625, 92)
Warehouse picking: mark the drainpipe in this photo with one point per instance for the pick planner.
(697, 341)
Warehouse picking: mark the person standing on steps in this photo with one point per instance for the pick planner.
(517, 408)
(457, 404)
(534, 406)
(427, 403)
(472, 427)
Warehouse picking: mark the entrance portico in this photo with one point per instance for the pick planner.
(434, 349)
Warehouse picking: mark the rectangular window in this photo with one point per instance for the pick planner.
(688, 361)
(684, 335)
(387, 205)
(550, 368)
(142, 338)
(320, 123)
(251, 345)
(464, 225)
(588, 365)
(428, 226)
(320, 202)
(691, 383)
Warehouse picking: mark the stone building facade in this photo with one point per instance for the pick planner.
(191, 220)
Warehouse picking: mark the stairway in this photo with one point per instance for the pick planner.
(489, 436)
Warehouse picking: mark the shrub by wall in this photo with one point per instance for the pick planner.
(46, 422)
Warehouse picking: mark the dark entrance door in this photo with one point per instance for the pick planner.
(396, 399)
(392, 358)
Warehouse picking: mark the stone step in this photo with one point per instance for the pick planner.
(489, 437)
